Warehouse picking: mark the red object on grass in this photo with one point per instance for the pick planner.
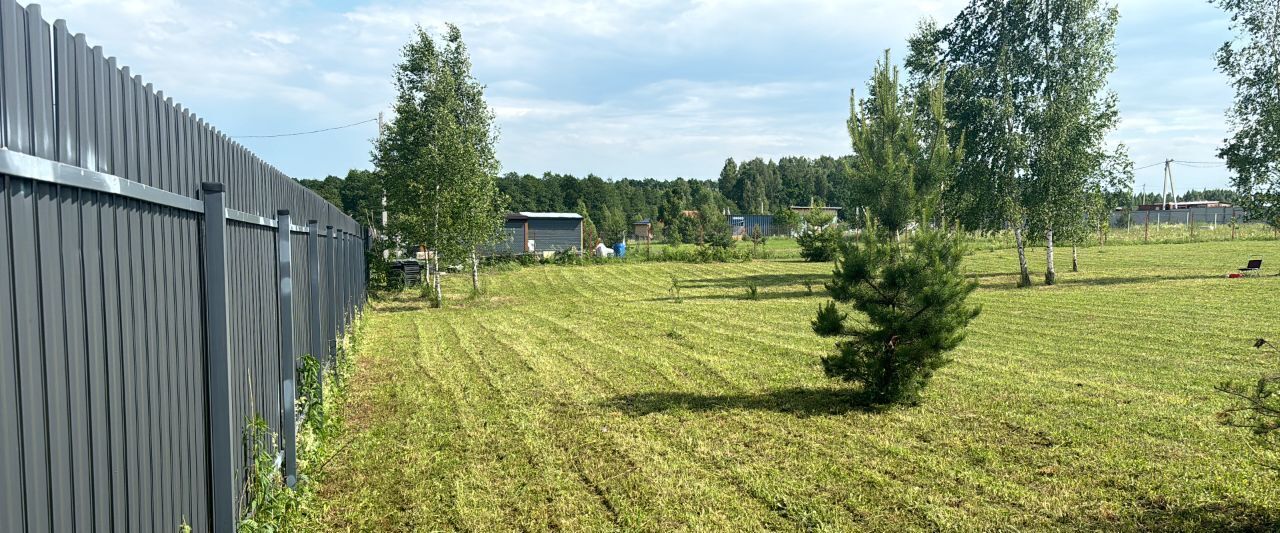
(1234, 275)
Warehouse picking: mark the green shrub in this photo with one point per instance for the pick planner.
(819, 244)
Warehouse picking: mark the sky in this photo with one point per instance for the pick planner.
(624, 88)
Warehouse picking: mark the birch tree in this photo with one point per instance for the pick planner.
(1027, 91)
(1252, 61)
(437, 157)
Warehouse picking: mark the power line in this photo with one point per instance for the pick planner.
(1193, 164)
(303, 132)
(1198, 165)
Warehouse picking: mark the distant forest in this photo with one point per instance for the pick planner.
(757, 186)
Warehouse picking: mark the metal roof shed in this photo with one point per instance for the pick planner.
(552, 231)
(528, 232)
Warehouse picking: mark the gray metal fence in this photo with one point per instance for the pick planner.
(155, 295)
(1197, 215)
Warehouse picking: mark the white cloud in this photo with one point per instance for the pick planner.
(277, 37)
(654, 88)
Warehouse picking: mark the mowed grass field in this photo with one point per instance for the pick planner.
(582, 398)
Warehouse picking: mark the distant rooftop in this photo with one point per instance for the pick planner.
(1183, 205)
(531, 214)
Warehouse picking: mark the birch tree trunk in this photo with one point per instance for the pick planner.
(475, 271)
(1050, 276)
(1075, 260)
(435, 260)
(1024, 279)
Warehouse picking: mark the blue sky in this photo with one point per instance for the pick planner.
(628, 88)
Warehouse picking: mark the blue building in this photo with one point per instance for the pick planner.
(741, 225)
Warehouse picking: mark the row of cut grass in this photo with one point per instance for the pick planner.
(583, 398)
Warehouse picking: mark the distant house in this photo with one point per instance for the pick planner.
(1194, 204)
(530, 232)
(804, 210)
(642, 230)
(743, 225)
(1198, 212)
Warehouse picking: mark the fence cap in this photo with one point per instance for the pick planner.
(282, 212)
(211, 186)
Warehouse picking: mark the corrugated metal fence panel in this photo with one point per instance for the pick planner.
(556, 234)
(104, 391)
(301, 297)
(255, 362)
(1199, 215)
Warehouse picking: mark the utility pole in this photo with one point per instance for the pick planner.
(1168, 180)
(1164, 187)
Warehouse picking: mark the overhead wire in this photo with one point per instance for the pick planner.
(1192, 164)
(322, 130)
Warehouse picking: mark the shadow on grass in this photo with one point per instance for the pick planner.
(1156, 515)
(400, 307)
(1068, 280)
(986, 275)
(761, 280)
(801, 402)
(741, 295)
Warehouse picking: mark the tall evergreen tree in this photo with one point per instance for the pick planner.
(1252, 61)
(882, 172)
(729, 181)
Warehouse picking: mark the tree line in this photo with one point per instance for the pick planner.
(612, 206)
(756, 186)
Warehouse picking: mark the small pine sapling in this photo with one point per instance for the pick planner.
(914, 299)
(757, 236)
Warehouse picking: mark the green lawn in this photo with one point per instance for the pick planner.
(581, 398)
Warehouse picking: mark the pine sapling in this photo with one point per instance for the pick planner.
(913, 295)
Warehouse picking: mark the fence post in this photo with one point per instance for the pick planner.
(313, 314)
(346, 285)
(342, 280)
(288, 365)
(222, 487)
(331, 318)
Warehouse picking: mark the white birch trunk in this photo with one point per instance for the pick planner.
(475, 271)
(1050, 275)
(1024, 278)
(435, 260)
